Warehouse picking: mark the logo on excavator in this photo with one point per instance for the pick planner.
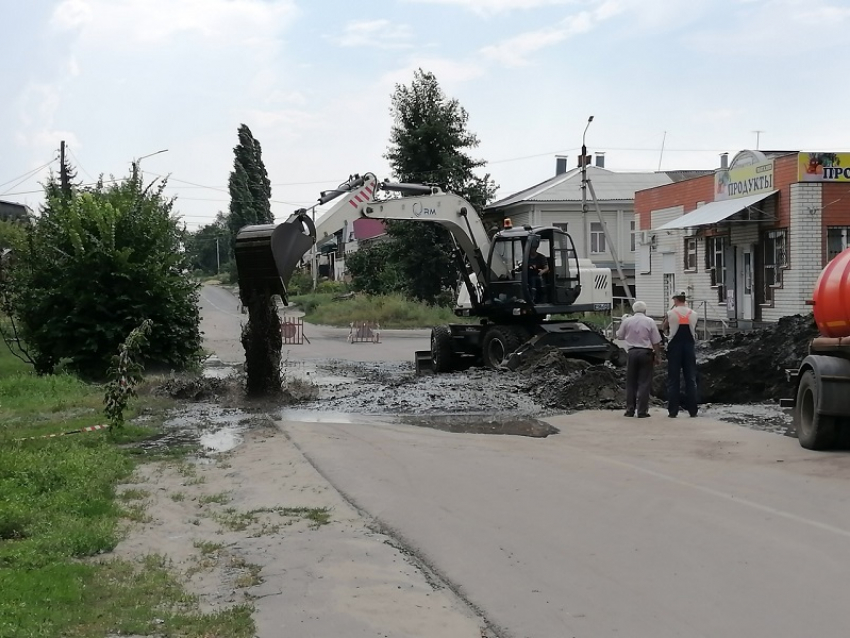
(419, 210)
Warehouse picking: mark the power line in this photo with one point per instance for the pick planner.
(23, 178)
(79, 163)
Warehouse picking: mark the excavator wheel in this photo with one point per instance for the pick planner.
(498, 343)
(442, 349)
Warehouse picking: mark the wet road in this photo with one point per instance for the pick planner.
(642, 528)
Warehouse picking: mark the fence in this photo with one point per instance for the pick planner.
(292, 331)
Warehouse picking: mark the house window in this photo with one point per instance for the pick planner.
(597, 238)
(715, 263)
(775, 259)
(561, 226)
(690, 253)
(633, 244)
(836, 241)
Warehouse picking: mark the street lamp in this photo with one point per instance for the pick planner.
(137, 162)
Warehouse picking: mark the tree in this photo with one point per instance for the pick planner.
(97, 263)
(250, 187)
(427, 144)
(374, 269)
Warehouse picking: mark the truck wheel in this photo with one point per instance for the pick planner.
(814, 431)
(498, 344)
(442, 349)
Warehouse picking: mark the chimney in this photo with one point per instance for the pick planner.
(560, 164)
(600, 160)
(587, 159)
(724, 160)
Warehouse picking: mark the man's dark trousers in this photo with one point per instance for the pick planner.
(681, 360)
(639, 379)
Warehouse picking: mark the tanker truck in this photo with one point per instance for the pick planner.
(821, 397)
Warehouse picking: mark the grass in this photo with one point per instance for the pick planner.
(237, 521)
(389, 311)
(222, 498)
(60, 513)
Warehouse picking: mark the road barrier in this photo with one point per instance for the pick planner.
(364, 332)
(292, 331)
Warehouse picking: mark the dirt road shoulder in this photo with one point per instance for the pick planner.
(261, 525)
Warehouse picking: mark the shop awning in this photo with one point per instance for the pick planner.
(714, 212)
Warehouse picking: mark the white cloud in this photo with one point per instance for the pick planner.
(381, 34)
(514, 52)
(131, 22)
(497, 6)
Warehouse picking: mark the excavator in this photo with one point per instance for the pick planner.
(515, 317)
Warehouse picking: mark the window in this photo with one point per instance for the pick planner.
(690, 253)
(561, 226)
(597, 238)
(836, 241)
(633, 232)
(715, 263)
(774, 260)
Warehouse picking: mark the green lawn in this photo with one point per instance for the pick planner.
(390, 311)
(59, 518)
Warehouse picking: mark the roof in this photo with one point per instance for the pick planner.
(715, 212)
(608, 185)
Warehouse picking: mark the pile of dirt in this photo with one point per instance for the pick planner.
(749, 367)
(573, 384)
(191, 388)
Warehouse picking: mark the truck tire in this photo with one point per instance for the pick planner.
(814, 431)
(498, 344)
(442, 349)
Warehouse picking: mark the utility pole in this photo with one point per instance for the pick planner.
(584, 231)
(758, 138)
(63, 171)
(586, 184)
(217, 257)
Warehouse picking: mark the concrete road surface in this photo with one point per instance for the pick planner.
(650, 528)
(221, 322)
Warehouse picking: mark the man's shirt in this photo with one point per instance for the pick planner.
(639, 331)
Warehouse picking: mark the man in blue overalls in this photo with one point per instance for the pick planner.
(681, 322)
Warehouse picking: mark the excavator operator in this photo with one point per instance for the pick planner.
(538, 267)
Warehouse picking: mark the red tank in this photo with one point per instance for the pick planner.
(831, 298)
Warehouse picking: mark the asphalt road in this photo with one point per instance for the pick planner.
(642, 528)
(221, 322)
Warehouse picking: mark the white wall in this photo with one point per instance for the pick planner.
(805, 254)
(650, 286)
(617, 220)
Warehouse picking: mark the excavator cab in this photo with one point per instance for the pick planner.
(514, 248)
(267, 254)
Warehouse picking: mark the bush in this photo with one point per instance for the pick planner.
(98, 263)
(332, 287)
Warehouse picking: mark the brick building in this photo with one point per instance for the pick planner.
(748, 241)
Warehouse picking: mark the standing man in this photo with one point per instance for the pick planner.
(681, 355)
(643, 342)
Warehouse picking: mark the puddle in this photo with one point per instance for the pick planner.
(216, 429)
(222, 372)
(482, 424)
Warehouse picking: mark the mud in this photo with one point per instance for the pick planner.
(750, 367)
(485, 424)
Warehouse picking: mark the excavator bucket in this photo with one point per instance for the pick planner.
(266, 255)
(575, 339)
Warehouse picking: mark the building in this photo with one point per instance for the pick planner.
(558, 202)
(12, 211)
(748, 241)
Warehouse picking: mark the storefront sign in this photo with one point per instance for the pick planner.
(742, 181)
(823, 167)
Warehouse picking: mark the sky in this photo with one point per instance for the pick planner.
(119, 80)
